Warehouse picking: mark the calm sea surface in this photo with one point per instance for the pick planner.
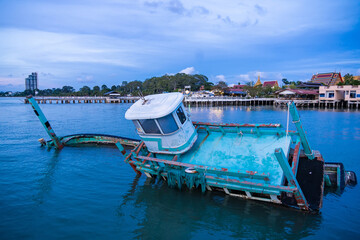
(90, 193)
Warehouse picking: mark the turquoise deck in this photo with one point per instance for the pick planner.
(247, 152)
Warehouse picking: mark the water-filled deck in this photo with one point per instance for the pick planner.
(238, 152)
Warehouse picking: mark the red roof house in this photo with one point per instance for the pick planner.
(270, 84)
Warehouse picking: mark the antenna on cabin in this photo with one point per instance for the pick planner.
(140, 93)
(141, 96)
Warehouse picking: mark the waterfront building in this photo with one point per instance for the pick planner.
(236, 90)
(298, 94)
(272, 84)
(31, 82)
(339, 93)
(327, 79)
(112, 94)
(309, 85)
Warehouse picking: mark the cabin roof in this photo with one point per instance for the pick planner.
(154, 106)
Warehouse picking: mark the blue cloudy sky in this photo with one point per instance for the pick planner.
(78, 42)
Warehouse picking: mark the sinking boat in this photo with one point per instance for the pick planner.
(254, 161)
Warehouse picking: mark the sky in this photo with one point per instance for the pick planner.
(78, 42)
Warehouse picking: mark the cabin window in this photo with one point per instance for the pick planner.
(181, 115)
(167, 124)
(149, 126)
(322, 94)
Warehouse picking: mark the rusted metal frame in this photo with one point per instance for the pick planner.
(240, 174)
(139, 147)
(271, 125)
(295, 159)
(299, 195)
(206, 169)
(120, 147)
(135, 149)
(45, 123)
(243, 130)
(137, 152)
(145, 166)
(222, 130)
(214, 183)
(304, 141)
(327, 180)
(263, 186)
(338, 176)
(149, 170)
(128, 157)
(96, 138)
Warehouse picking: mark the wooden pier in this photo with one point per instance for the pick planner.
(210, 101)
(86, 99)
(227, 101)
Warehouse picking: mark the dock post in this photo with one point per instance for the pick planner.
(45, 122)
(296, 120)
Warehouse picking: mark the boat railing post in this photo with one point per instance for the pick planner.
(290, 176)
(304, 141)
(45, 122)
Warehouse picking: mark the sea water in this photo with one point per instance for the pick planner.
(90, 193)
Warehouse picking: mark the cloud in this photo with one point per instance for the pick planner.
(85, 79)
(175, 6)
(220, 78)
(260, 10)
(244, 77)
(188, 70)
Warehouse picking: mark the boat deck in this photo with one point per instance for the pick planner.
(238, 152)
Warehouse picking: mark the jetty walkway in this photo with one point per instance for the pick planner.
(208, 101)
(86, 99)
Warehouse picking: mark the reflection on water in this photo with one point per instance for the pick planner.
(216, 114)
(173, 214)
(46, 180)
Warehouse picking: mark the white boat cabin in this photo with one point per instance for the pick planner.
(163, 123)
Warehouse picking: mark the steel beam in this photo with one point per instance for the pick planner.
(296, 120)
(299, 195)
(45, 122)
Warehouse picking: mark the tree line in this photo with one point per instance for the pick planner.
(165, 83)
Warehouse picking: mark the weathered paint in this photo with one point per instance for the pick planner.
(296, 120)
(299, 196)
(45, 122)
(295, 159)
(237, 125)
